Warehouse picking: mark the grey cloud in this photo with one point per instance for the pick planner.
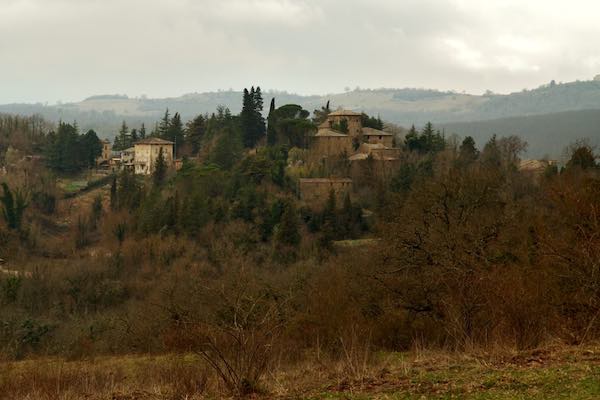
(68, 49)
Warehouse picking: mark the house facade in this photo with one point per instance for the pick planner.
(146, 153)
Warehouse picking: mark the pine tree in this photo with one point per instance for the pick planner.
(124, 137)
(175, 132)
(134, 136)
(163, 126)
(252, 121)
(195, 131)
(160, 169)
(91, 148)
(143, 131)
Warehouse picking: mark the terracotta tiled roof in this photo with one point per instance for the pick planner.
(153, 140)
(375, 132)
(344, 113)
(326, 132)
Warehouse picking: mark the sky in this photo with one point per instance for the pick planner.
(67, 50)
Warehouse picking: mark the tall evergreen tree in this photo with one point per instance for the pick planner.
(124, 137)
(160, 169)
(251, 119)
(163, 126)
(134, 136)
(271, 129)
(143, 131)
(175, 133)
(113, 193)
(195, 131)
(91, 148)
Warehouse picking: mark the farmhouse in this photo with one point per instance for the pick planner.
(146, 153)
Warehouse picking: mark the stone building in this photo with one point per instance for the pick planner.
(146, 153)
(353, 119)
(535, 168)
(314, 192)
(327, 143)
(106, 155)
(375, 136)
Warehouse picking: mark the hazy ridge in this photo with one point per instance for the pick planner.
(551, 129)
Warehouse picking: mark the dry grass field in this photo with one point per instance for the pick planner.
(553, 373)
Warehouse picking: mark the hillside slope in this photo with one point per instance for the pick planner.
(400, 106)
(547, 134)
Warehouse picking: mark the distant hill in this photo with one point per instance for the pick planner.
(104, 113)
(547, 134)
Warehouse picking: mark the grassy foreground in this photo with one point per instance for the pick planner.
(561, 373)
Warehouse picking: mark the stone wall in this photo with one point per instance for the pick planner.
(315, 192)
(328, 146)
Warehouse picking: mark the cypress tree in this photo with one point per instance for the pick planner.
(160, 169)
(113, 193)
(175, 132)
(271, 129)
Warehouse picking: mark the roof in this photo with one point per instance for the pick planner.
(375, 132)
(326, 132)
(325, 180)
(105, 141)
(367, 147)
(375, 156)
(529, 165)
(346, 113)
(153, 140)
(358, 157)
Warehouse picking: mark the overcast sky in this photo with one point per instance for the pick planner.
(66, 50)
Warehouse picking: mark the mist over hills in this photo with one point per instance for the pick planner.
(548, 117)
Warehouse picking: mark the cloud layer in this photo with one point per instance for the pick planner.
(68, 49)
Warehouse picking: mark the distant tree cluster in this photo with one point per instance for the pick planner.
(426, 141)
(68, 152)
(251, 119)
(126, 138)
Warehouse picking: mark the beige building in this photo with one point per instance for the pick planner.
(535, 168)
(146, 153)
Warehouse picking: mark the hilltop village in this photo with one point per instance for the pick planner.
(340, 149)
(341, 154)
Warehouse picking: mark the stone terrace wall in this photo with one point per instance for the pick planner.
(315, 192)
